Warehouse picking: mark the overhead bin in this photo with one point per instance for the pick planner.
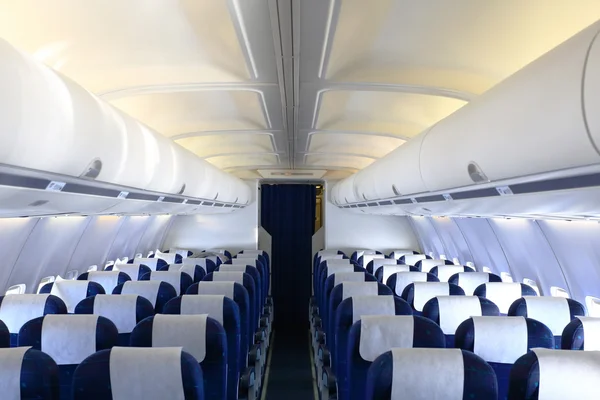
(49, 123)
(532, 122)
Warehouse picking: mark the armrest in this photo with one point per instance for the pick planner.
(254, 356)
(324, 356)
(264, 322)
(246, 389)
(320, 336)
(329, 384)
(260, 336)
(317, 322)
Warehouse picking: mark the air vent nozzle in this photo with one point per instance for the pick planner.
(182, 189)
(396, 191)
(476, 173)
(93, 169)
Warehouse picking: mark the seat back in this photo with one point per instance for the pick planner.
(72, 292)
(160, 373)
(107, 279)
(318, 273)
(384, 272)
(430, 374)
(237, 293)
(444, 272)
(503, 294)
(153, 263)
(425, 265)
(28, 374)
(326, 272)
(349, 312)
(501, 341)
(412, 259)
(398, 281)
(4, 336)
(470, 281)
(68, 339)
(223, 252)
(125, 311)
(366, 259)
(555, 374)
(248, 283)
(554, 312)
(156, 292)
(396, 254)
(359, 253)
(189, 266)
(199, 335)
(451, 311)
(259, 262)
(226, 312)
(417, 294)
(134, 271)
(254, 273)
(169, 258)
(377, 263)
(179, 280)
(16, 310)
(373, 335)
(583, 333)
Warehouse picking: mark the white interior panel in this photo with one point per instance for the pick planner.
(373, 146)
(338, 161)
(13, 235)
(209, 145)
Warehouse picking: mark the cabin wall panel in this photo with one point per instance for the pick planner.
(95, 243)
(154, 234)
(452, 239)
(347, 231)
(13, 236)
(128, 237)
(429, 238)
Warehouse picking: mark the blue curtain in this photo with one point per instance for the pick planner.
(288, 214)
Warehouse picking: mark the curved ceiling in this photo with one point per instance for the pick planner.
(265, 85)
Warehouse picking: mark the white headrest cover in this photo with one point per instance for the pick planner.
(189, 269)
(69, 339)
(425, 291)
(551, 311)
(334, 269)
(403, 279)
(389, 270)
(379, 334)
(469, 281)
(566, 374)
(332, 257)
(396, 254)
(223, 288)
(171, 277)
(214, 259)
(591, 333)
(182, 252)
(132, 270)
(121, 310)
(16, 310)
(108, 279)
(188, 331)
(247, 258)
(147, 289)
(168, 257)
(427, 264)
(210, 304)
(500, 339)
(148, 262)
(367, 258)
(446, 271)
(503, 294)
(338, 261)
(233, 268)
(379, 262)
(350, 289)
(11, 361)
(372, 305)
(251, 252)
(195, 261)
(454, 310)
(428, 374)
(327, 253)
(157, 373)
(237, 277)
(348, 277)
(71, 292)
(412, 259)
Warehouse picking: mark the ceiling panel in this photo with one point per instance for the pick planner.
(210, 145)
(336, 161)
(371, 145)
(253, 161)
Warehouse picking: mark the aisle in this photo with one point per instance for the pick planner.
(290, 376)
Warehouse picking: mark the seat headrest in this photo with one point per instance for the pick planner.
(403, 279)
(444, 272)
(427, 264)
(16, 310)
(69, 339)
(340, 277)
(425, 291)
(219, 288)
(503, 294)
(389, 270)
(381, 333)
(195, 304)
(174, 278)
(334, 269)
(469, 281)
(237, 277)
(453, 310)
(108, 279)
(500, 339)
(71, 292)
(350, 289)
(412, 259)
(591, 332)
(132, 270)
(146, 289)
(553, 312)
(372, 305)
(188, 331)
(121, 310)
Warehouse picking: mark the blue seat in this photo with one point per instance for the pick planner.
(469, 281)
(68, 339)
(154, 264)
(366, 259)
(555, 374)
(396, 254)
(200, 335)
(224, 252)
(167, 257)
(384, 272)
(248, 282)
(321, 254)
(125, 311)
(413, 259)
(583, 333)
(372, 336)
(212, 262)
(430, 374)
(260, 260)
(500, 341)
(554, 312)
(256, 277)
(425, 265)
(184, 253)
(417, 294)
(72, 292)
(108, 279)
(4, 336)
(28, 374)
(376, 263)
(503, 294)
(450, 311)
(134, 271)
(349, 311)
(326, 272)
(357, 254)
(15, 311)
(398, 281)
(189, 266)
(444, 272)
(179, 280)
(318, 276)
(225, 311)
(139, 373)
(156, 292)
